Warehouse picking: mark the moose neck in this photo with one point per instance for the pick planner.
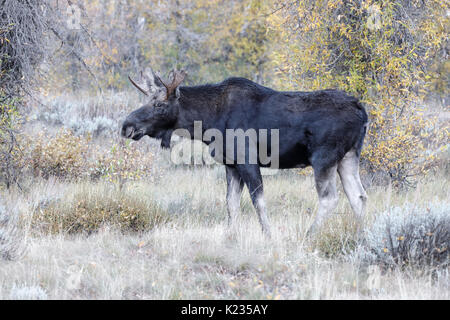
(198, 103)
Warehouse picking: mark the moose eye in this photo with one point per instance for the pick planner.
(161, 105)
(161, 109)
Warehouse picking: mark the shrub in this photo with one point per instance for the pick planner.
(121, 163)
(27, 293)
(93, 126)
(409, 236)
(62, 156)
(89, 207)
(72, 157)
(85, 113)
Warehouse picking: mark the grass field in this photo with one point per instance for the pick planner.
(192, 255)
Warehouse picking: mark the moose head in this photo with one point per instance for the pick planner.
(158, 116)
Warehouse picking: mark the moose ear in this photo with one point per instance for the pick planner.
(152, 79)
(148, 77)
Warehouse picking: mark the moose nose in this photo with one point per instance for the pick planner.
(127, 131)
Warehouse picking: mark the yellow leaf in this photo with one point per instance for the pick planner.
(141, 244)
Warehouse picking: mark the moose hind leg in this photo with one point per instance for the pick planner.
(328, 198)
(348, 169)
(251, 174)
(235, 185)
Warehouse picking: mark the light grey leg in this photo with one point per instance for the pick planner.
(328, 198)
(234, 190)
(348, 170)
(251, 175)
(260, 206)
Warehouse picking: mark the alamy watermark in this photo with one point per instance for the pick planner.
(235, 146)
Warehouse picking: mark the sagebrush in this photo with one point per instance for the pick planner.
(409, 236)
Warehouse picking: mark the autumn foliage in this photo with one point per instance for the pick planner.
(379, 51)
(69, 157)
(392, 55)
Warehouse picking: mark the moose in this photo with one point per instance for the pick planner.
(324, 129)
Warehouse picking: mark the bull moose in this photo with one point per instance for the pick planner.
(324, 129)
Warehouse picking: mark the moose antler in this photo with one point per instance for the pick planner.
(150, 87)
(178, 77)
(147, 78)
(137, 86)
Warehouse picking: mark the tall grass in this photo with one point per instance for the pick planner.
(164, 235)
(193, 255)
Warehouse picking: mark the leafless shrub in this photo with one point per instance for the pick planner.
(22, 28)
(27, 31)
(8, 145)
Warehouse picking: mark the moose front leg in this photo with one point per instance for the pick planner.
(251, 174)
(165, 140)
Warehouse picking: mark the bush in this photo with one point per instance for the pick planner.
(70, 157)
(25, 33)
(27, 293)
(89, 207)
(409, 236)
(93, 126)
(84, 113)
(121, 163)
(62, 156)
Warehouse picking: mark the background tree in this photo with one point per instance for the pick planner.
(380, 51)
(391, 54)
(27, 34)
(210, 39)
(22, 28)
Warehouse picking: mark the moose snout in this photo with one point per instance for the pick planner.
(127, 130)
(130, 131)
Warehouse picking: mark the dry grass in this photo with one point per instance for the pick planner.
(87, 207)
(194, 256)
